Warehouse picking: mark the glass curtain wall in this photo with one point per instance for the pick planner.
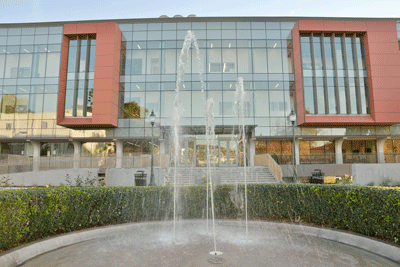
(29, 75)
(334, 73)
(260, 52)
(80, 76)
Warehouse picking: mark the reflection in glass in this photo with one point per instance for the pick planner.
(259, 61)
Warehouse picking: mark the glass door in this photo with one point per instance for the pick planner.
(201, 153)
(223, 153)
(188, 152)
(233, 153)
(227, 152)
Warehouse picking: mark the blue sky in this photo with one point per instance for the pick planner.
(12, 11)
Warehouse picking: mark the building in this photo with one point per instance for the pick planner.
(83, 90)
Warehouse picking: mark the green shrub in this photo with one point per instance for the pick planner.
(28, 215)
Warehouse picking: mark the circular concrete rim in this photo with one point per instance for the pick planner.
(24, 253)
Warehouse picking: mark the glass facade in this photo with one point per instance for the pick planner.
(334, 73)
(359, 151)
(260, 52)
(29, 76)
(80, 76)
(335, 82)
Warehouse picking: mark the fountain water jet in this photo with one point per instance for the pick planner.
(209, 123)
(239, 111)
(210, 136)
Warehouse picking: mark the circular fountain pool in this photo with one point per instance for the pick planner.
(267, 244)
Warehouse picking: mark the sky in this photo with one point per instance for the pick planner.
(17, 11)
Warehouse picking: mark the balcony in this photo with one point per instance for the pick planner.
(360, 158)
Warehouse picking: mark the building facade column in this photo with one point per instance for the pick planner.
(380, 149)
(119, 145)
(252, 148)
(338, 151)
(162, 146)
(297, 150)
(77, 153)
(36, 155)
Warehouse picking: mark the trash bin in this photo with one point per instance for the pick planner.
(140, 178)
(317, 177)
(102, 175)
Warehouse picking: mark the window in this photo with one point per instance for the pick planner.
(80, 75)
(333, 73)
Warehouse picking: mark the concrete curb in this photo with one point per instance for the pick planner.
(20, 255)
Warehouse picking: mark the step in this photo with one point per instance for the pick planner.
(227, 175)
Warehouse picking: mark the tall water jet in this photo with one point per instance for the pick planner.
(210, 136)
(209, 124)
(178, 107)
(239, 108)
(177, 112)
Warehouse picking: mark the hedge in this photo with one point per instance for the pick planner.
(28, 215)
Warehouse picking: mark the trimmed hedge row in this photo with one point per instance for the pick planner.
(28, 215)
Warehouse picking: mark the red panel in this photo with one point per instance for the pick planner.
(382, 37)
(381, 26)
(106, 49)
(387, 94)
(106, 80)
(107, 27)
(386, 83)
(63, 78)
(338, 120)
(310, 25)
(106, 39)
(356, 26)
(298, 74)
(100, 119)
(383, 67)
(103, 107)
(387, 70)
(388, 118)
(101, 98)
(330, 25)
(387, 106)
(383, 48)
(86, 28)
(70, 29)
(103, 71)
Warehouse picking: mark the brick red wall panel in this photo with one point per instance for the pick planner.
(106, 75)
(383, 68)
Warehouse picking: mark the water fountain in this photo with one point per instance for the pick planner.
(208, 104)
(239, 111)
(272, 244)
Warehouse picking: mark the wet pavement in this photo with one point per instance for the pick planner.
(154, 244)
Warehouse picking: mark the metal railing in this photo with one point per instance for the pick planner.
(16, 164)
(317, 158)
(359, 158)
(392, 158)
(306, 159)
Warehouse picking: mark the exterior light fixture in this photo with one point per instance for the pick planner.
(292, 118)
(152, 118)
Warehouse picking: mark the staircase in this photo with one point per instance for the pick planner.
(186, 176)
(254, 175)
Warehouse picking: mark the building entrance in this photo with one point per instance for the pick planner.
(223, 151)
